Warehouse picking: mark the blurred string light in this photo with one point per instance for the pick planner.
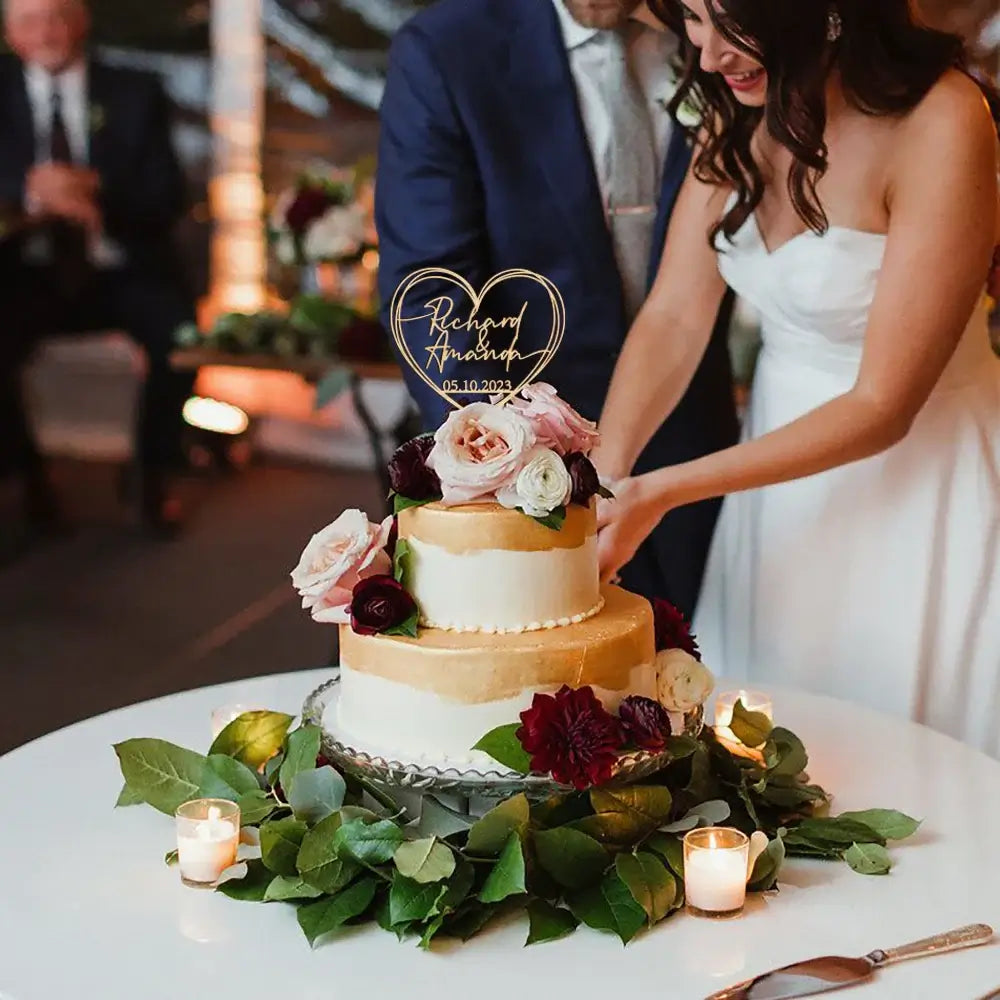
(215, 416)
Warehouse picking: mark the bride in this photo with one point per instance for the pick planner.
(844, 183)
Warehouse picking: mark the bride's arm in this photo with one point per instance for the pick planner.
(670, 334)
(943, 206)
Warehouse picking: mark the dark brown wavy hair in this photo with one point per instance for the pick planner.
(887, 59)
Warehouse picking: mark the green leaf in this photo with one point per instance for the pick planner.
(279, 844)
(609, 907)
(300, 755)
(605, 493)
(868, 859)
(767, 867)
(252, 887)
(162, 774)
(685, 823)
(624, 815)
(225, 778)
(507, 876)
(488, 836)
(554, 520)
(651, 885)
(789, 757)
(432, 928)
(751, 728)
(670, 849)
(572, 858)
(411, 901)
(370, 844)
(318, 862)
(504, 747)
(682, 747)
(469, 920)
(283, 888)
(425, 860)
(326, 915)
(826, 831)
(887, 823)
(314, 795)
(170, 858)
(548, 923)
(438, 820)
(128, 797)
(407, 628)
(253, 738)
(255, 807)
(333, 384)
(401, 503)
(401, 561)
(272, 769)
(459, 886)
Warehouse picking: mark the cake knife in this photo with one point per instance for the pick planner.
(830, 972)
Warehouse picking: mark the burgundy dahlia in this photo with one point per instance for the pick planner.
(379, 603)
(672, 629)
(645, 722)
(310, 204)
(409, 473)
(586, 482)
(571, 736)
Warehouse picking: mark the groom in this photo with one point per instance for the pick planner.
(532, 134)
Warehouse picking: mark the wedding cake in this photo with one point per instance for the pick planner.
(483, 591)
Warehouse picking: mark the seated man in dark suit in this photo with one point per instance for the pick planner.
(86, 162)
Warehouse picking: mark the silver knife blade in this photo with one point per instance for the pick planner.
(802, 979)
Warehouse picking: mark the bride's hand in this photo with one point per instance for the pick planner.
(625, 522)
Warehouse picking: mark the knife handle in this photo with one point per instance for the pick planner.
(963, 937)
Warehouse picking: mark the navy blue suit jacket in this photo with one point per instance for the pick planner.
(483, 166)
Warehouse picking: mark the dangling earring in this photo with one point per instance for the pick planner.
(834, 25)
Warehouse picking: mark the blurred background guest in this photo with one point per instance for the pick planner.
(86, 163)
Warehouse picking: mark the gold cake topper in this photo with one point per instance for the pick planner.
(472, 340)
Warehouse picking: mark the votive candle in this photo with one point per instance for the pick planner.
(715, 871)
(208, 835)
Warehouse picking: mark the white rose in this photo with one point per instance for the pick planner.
(336, 559)
(284, 249)
(478, 451)
(683, 683)
(337, 234)
(542, 485)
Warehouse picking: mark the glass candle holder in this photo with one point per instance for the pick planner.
(753, 701)
(715, 871)
(208, 836)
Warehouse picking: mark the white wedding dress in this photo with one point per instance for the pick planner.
(877, 582)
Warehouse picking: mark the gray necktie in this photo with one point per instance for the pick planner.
(632, 175)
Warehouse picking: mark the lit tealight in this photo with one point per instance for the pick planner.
(208, 834)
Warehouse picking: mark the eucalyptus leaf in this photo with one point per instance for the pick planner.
(609, 907)
(868, 859)
(714, 812)
(253, 738)
(649, 882)
(369, 844)
(688, 822)
(751, 728)
(548, 923)
(279, 844)
(314, 795)
(489, 835)
(887, 823)
(226, 778)
(438, 820)
(505, 748)
(300, 755)
(326, 915)
(162, 774)
(507, 877)
(255, 807)
(426, 860)
(284, 888)
(571, 857)
(252, 887)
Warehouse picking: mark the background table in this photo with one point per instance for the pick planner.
(89, 910)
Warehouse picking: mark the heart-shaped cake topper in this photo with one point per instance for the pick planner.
(489, 342)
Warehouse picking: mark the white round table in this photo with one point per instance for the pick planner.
(89, 911)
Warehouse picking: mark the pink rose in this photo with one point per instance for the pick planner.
(336, 559)
(479, 450)
(557, 425)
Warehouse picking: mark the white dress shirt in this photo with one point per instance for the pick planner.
(650, 54)
(76, 114)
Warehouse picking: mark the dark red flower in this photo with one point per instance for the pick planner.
(379, 603)
(409, 473)
(310, 203)
(586, 482)
(570, 736)
(645, 722)
(363, 339)
(672, 629)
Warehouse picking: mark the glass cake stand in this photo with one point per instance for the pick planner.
(466, 781)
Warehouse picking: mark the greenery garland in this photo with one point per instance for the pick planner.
(341, 851)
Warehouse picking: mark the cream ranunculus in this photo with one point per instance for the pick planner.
(541, 486)
(336, 559)
(479, 450)
(683, 683)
